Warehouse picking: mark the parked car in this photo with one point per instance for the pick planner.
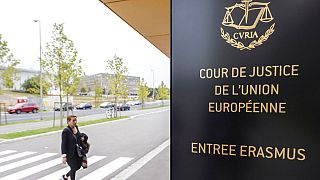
(84, 106)
(123, 107)
(107, 105)
(64, 107)
(131, 103)
(137, 103)
(23, 107)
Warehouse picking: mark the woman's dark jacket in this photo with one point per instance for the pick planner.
(68, 144)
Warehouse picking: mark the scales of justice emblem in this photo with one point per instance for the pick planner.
(242, 20)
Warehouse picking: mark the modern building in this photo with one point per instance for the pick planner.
(104, 80)
(21, 76)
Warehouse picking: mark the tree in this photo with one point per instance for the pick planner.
(150, 94)
(97, 91)
(4, 50)
(62, 64)
(8, 62)
(163, 92)
(8, 76)
(32, 85)
(142, 91)
(119, 70)
(83, 88)
(124, 92)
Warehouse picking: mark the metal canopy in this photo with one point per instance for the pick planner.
(151, 18)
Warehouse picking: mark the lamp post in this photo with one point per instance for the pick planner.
(152, 83)
(41, 94)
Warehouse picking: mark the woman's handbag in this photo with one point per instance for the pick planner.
(78, 148)
(79, 153)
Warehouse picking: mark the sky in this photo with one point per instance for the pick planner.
(98, 34)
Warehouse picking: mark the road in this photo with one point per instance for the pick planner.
(79, 113)
(116, 148)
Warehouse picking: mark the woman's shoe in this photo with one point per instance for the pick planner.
(84, 165)
(64, 177)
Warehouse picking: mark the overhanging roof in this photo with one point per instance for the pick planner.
(151, 18)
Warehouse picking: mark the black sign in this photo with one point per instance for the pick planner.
(245, 89)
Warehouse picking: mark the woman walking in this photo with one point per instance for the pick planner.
(70, 139)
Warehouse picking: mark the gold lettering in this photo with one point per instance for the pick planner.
(193, 148)
(276, 70)
(268, 150)
(234, 36)
(252, 150)
(294, 71)
(268, 71)
(209, 148)
(260, 152)
(293, 153)
(216, 147)
(211, 107)
(226, 107)
(224, 150)
(285, 69)
(225, 72)
(201, 73)
(209, 73)
(241, 35)
(232, 150)
(202, 148)
(233, 91)
(280, 153)
(221, 90)
(301, 153)
(246, 35)
(282, 107)
(243, 150)
(249, 151)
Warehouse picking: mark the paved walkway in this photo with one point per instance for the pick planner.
(157, 168)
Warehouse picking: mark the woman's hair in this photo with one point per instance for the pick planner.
(70, 117)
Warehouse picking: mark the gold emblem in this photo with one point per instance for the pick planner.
(242, 21)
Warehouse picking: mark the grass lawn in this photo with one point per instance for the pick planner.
(50, 129)
(17, 94)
